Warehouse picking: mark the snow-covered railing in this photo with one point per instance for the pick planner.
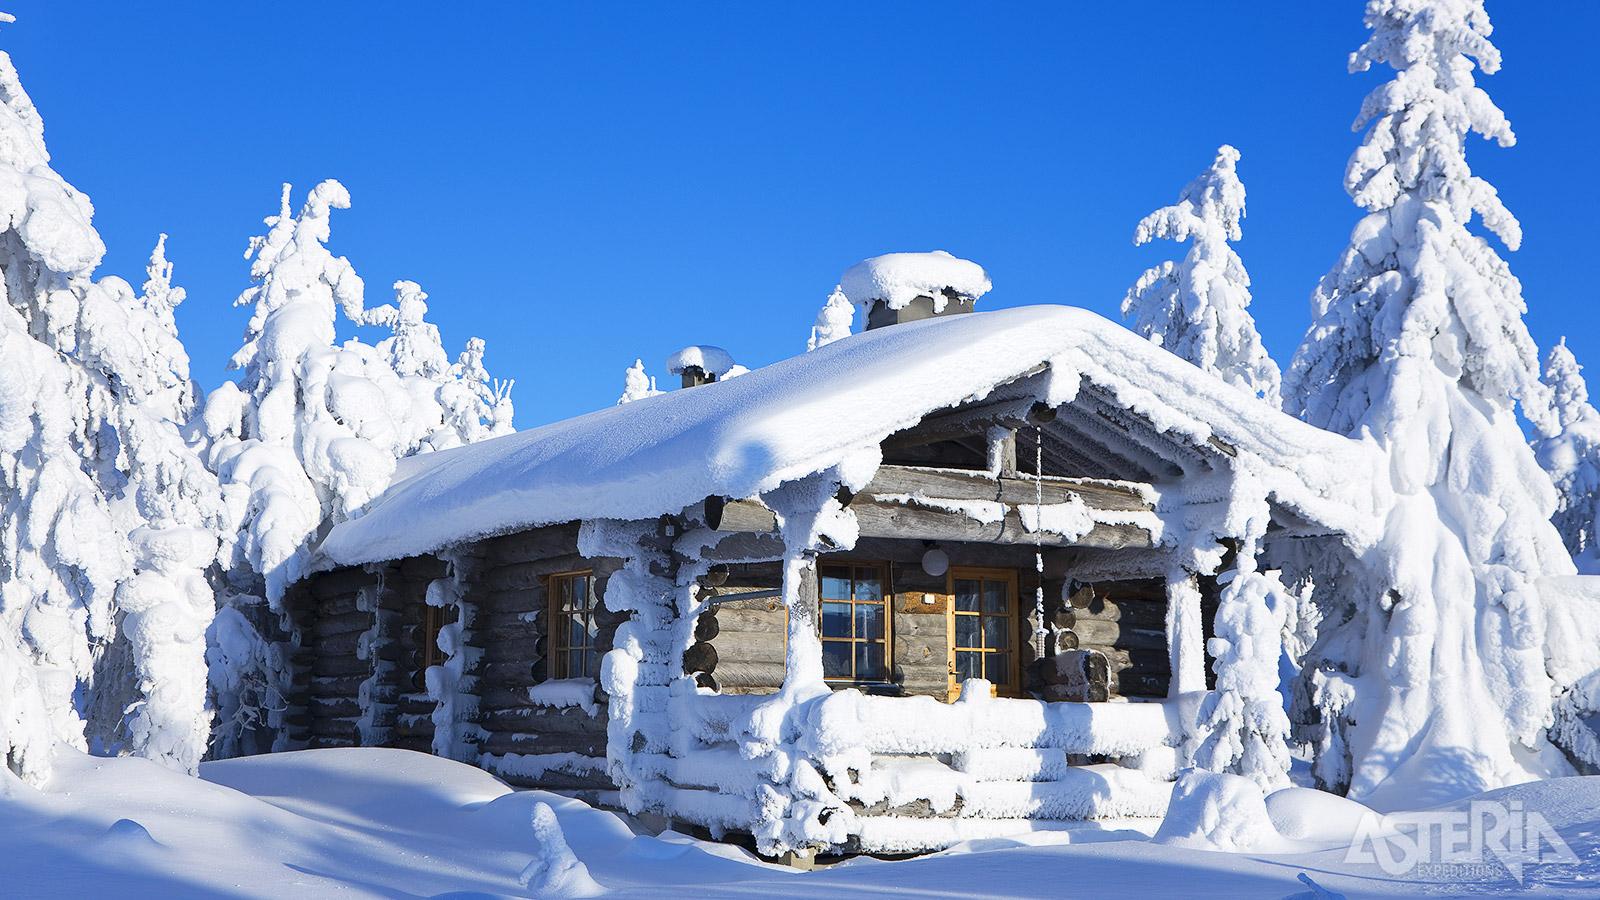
(849, 719)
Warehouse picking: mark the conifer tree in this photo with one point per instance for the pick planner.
(1432, 664)
(833, 321)
(636, 385)
(1198, 308)
(1569, 450)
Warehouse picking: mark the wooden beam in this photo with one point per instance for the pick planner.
(911, 521)
(962, 484)
(883, 508)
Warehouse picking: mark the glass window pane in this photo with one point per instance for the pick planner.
(592, 666)
(997, 667)
(563, 593)
(869, 621)
(575, 665)
(994, 597)
(996, 632)
(836, 582)
(967, 631)
(966, 595)
(869, 585)
(576, 636)
(836, 620)
(836, 659)
(869, 660)
(968, 665)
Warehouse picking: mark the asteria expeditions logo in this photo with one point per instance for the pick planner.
(1472, 844)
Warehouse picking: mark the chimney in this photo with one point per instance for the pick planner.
(906, 287)
(700, 364)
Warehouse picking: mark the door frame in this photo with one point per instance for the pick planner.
(1014, 689)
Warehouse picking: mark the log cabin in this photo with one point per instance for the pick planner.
(960, 575)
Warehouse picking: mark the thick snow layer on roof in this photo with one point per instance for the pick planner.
(807, 414)
(710, 360)
(899, 278)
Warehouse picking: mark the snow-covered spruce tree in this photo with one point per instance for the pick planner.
(1199, 308)
(311, 433)
(461, 402)
(110, 525)
(833, 321)
(1569, 450)
(1429, 670)
(636, 385)
(476, 406)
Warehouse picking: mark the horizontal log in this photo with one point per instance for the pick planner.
(1097, 632)
(333, 707)
(738, 621)
(341, 605)
(424, 568)
(750, 646)
(344, 686)
(552, 779)
(878, 518)
(1138, 662)
(544, 720)
(500, 743)
(349, 580)
(335, 666)
(512, 649)
(344, 644)
(724, 514)
(732, 674)
(414, 743)
(327, 626)
(333, 726)
(500, 606)
(523, 575)
(959, 484)
(531, 545)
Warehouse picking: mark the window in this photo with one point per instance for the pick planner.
(572, 626)
(983, 629)
(855, 623)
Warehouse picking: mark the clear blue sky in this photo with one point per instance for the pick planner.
(586, 183)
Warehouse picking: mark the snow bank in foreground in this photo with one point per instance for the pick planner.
(370, 824)
(1215, 811)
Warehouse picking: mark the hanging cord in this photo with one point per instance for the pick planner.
(1039, 630)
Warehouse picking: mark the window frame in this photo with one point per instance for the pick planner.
(885, 602)
(1012, 617)
(558, 626)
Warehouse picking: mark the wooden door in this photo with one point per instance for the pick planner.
(983, 629)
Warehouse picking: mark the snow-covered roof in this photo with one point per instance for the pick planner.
(710, 360)
(803, 415)
(899, 278)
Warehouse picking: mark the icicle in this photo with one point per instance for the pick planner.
(1038, 546)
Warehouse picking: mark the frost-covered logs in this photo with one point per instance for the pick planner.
(1433, 658)
(1198, 308)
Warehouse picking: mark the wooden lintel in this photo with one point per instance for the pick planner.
(885, 508)
(962, 484)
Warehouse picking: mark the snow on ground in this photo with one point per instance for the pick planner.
(373, 823)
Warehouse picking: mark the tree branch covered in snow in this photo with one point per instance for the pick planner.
(1432, 659)
(1198, 308)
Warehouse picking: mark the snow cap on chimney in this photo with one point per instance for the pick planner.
(700, 365)
(904, 287)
